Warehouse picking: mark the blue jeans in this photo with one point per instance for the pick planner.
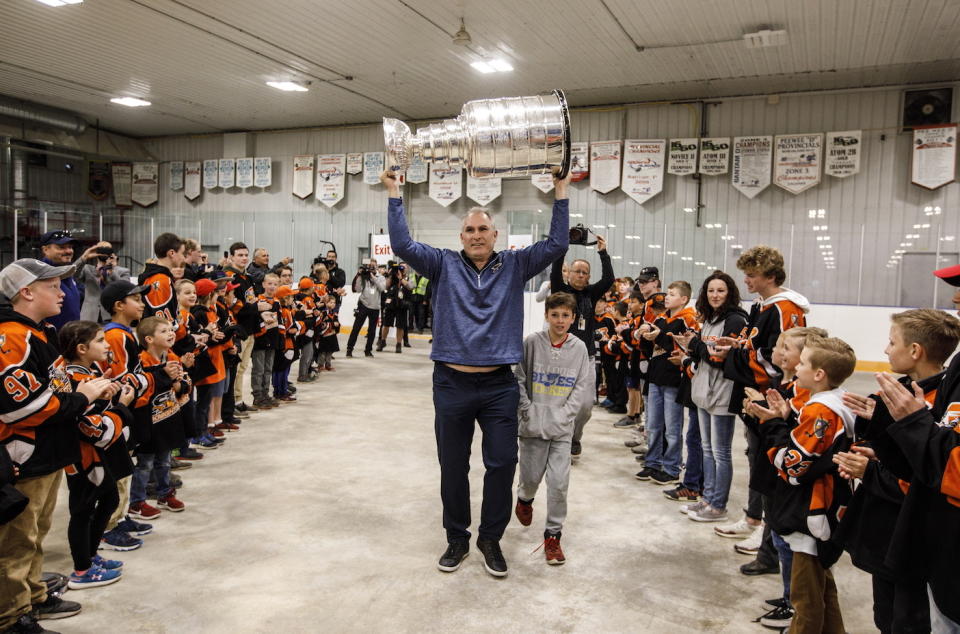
(716, 434)
(693, 473)
(463, 400)
(786, 562)
(146, 462)
(664, 419)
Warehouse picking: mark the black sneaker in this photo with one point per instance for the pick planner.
(367, 353)
(617, 409)
(493, 559)
(381, 345)
(349, 354)
(646, 473)
(133, 527)
(777, 618)
(26, 624)
(662, 477)
(456, 552)
(55, 608)
(756, 567)
(243, 407)
(178, 465)
(779, 602)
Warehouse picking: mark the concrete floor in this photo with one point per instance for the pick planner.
(324, 516)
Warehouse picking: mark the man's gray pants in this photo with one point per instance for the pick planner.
(550, 458)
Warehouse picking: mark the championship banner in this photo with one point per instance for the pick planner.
(934, 155)
(244, 172)
(380, 249)
(543, 182)
(228, 173)
(331, 172)
(445, 184)
(176, 175)
(354, 162)
(842, 156)
(483, 190)
(262, 172)
(121, 176)
(579, 161)
(714, 156)
(683, 156)
(191, 179)
(211, 174)
(417, 172)
(372, 166)
(521, 241)
(604, 166)
(797, 164)
(303, 175)
(98, 179)
(643, 168)
(146, 183)
(751, 164)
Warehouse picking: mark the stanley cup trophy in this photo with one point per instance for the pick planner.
(512, 136)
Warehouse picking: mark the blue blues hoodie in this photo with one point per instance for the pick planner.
(478, 314)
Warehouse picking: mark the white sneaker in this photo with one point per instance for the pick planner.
(750, 545)
(708, 514)
(692, 507)
(738, 530)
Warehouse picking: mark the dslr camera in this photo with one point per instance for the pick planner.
(104, 253)
(580, 235)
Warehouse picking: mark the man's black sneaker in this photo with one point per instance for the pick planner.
(777, 618)
(349, 353)
(406, 344)
(493, 559)
(456, 552)
(380, 345)
(617, 409)
(367, 353)
(662, 477)
(779, 602)
(575, 449)
(26, 624)
(755, 568)
(243, 407)
(55, 608)
(646, 473)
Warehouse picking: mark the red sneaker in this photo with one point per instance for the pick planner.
(226, 427)
(524, 512)
(551, 546)
(287, 398)
(216, 433)
(143, 511)
(330, 368)
(170, 502)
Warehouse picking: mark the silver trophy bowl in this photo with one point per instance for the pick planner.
(511, 136)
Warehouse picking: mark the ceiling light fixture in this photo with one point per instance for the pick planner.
(130, 102)
(461, 37)
(287, 86)
(765, 37)
(486, 66)
(483, 67)
(59, 3)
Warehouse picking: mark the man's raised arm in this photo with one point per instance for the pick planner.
(542, 253)
(424, 258)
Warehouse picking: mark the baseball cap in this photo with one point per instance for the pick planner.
(305, 283)
(648, 273)
(116, 292)
(26, 271)
(59, 236)
(284, 291)
(950, 274)
(231, 286)
(205, 286)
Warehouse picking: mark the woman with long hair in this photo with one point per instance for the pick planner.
(718, 306)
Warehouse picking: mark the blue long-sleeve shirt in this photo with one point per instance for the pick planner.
(478, 315)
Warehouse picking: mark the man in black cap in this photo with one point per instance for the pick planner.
(647, 282)
(57, 249)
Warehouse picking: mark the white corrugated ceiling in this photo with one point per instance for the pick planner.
(203, 63)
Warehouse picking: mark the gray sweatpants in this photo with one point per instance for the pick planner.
(539, 457)
(261, 375)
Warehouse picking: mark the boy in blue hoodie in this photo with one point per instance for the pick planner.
(555, 382)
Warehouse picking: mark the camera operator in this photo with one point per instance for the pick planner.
(584, 323)
(57, 248)
(94, 276)
(370, 284)
(195, 263)
(396, 306)
(338, 278)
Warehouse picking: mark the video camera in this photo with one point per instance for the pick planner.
(580, 235)
(104, 253)
(322, 259)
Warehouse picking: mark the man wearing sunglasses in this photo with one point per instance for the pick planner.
(57, 248)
